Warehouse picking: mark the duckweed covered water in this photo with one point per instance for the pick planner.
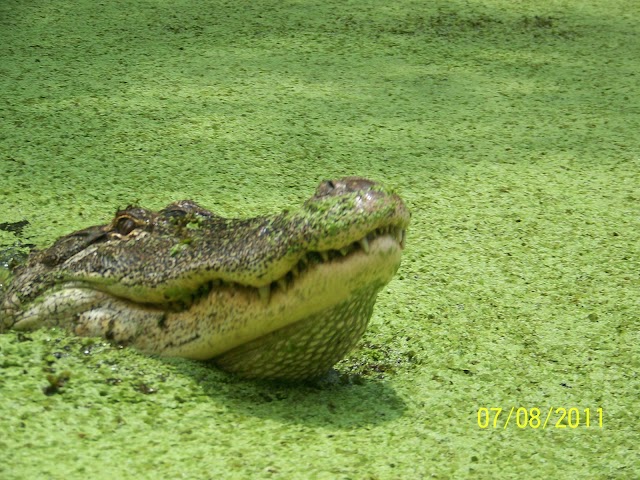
(511, 131)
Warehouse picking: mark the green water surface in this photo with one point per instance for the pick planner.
(510, 128)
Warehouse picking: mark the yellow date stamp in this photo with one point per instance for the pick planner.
(554, 417)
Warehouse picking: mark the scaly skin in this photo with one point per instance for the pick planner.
(281, 297)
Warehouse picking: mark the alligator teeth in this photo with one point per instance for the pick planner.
(364, 243)
(265, 294)
(397, 233)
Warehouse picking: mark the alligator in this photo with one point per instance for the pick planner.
(277, 297)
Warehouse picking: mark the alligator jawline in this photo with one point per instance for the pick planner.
(284, 283)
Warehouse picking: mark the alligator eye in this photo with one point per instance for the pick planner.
(125, 225)
(325, 188)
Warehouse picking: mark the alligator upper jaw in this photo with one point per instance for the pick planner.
(310, 261)
(181, 294)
